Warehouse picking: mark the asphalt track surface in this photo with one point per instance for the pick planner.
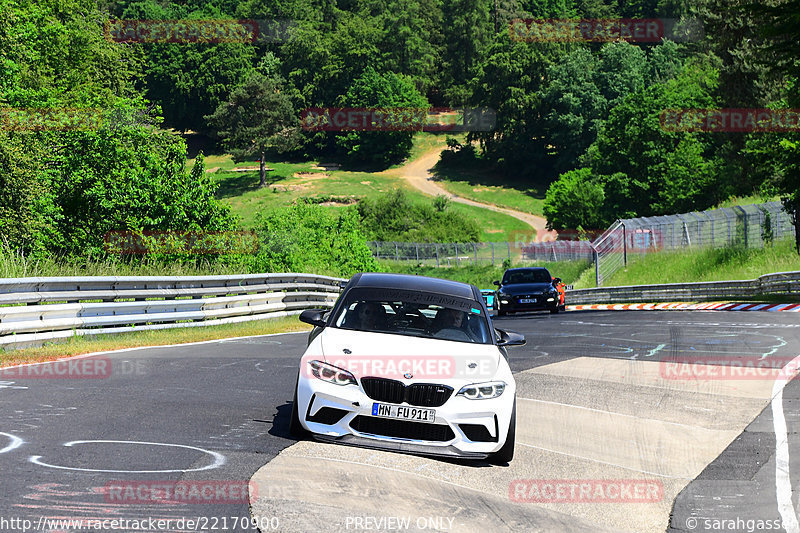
(593, 406)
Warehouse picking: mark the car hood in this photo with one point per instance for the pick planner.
(525, 288)
(390, 356)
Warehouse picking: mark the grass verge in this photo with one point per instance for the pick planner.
(717, 264)
(100, 343)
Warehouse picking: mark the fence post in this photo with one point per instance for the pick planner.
(596, 266)
(378, 249)
(624, 245)
(744, 220)
(437, 254)
(492, 244)
(458, 261)
(396, 253)
(475, 248)
(416, 244)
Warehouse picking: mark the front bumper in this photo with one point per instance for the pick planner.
(343, 414)
(542, 304)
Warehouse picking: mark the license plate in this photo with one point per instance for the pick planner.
(402, 412)
(527, 301)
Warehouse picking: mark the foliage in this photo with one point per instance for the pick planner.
(382, 91)
(576, 199)
(310, 238)
(395, 217)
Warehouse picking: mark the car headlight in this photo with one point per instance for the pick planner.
(331, 374)
(482, 391)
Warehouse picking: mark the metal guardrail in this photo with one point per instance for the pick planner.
(37, 310)
(780, 283)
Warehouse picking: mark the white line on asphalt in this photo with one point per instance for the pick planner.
(611, 413)
(604, 462)
(16, 442)
(148, 348)
(783, 483)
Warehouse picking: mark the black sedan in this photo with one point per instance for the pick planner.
(527, 289)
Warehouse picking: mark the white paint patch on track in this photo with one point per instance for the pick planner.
(219, 459)
(14, 442)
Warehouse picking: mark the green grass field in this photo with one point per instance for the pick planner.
(720, 264)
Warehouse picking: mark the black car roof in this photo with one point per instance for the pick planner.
(526, 268)
(419, 283)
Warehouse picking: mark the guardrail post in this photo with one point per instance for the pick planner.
(596, 267)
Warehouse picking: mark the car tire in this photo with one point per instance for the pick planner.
(504, 455)
(554, 311)
(501, 312)
(296, 429)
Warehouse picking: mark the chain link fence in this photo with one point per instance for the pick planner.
(480, 253)
(750, 226)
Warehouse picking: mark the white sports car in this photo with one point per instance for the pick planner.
(410, 364)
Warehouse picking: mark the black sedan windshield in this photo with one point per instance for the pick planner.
(527, 276)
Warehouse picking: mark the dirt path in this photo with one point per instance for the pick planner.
(417, 173)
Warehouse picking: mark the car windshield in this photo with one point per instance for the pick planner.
(415, 319)
(527, 276)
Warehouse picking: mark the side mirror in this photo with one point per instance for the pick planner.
(496, 283)
(510, 338)
(313, 317)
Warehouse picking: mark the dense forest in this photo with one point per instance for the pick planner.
(585, 118)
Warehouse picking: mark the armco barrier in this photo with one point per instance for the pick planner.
(37, 310)
(781, 283)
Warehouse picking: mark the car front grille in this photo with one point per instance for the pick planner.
(419, 394)
(401, 429)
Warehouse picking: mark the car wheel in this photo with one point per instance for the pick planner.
(295, 428)
(501, 311)
(554, 311)
(505, 454)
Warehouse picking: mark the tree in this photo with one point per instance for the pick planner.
(258, 119)
(381, 91)
(574, 200)
(661, 169)
(467, 29)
